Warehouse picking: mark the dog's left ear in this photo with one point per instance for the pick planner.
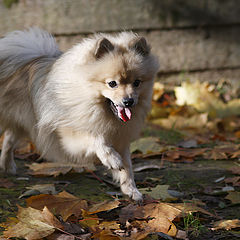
(103, 46)
(141, 46)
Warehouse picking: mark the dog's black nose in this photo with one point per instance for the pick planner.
(128, 102)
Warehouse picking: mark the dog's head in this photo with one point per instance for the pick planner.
(127, 72)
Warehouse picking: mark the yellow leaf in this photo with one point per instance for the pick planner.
(146, 145)
(159, 192)
(196, 121)
(89, 220)
(33, 224)
(226, 224)
(234, 197)
(105, 235)
(103, 206)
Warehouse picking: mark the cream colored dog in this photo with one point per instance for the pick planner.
(86, 104)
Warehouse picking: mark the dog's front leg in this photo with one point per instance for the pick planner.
(7, 159)
(108, 155)
(126, 178)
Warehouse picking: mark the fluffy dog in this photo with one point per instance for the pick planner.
(86, 104)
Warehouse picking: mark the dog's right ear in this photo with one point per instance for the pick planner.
(103, 46)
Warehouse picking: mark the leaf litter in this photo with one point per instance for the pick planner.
(46, 214)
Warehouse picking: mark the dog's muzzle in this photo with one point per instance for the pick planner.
(123, 113)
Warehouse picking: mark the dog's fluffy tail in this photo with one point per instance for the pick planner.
(19, 47)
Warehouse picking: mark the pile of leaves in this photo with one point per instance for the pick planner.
(64, 215)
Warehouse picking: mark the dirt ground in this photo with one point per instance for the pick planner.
(197, 180)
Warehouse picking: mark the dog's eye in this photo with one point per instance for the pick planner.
(136, 83)
(112, 84)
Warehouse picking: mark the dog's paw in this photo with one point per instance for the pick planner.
(137, 196)
(132, 192)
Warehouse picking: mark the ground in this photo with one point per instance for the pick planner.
(195, 180)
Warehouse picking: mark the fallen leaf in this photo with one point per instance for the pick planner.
(4, 182)
(39, 189)
(103, 206)
(183, 155)
(158, 90)
(234, 197)
(235, 170)
(181, 235)
(191, 143)
(216, 154)
(187, 208)
(89, 220)
(158, 217)
(63, 203)
(235, 154)
(161, 216)
(234, 180)
(146, 145)
(226, 224)
(179, 122)
(60, 236)
(33, 224)
(55, 168)
(159, 192)
(106, 235)
(220, 179)
(146, 167)
(202, 98)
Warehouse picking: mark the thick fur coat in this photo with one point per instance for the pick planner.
(86, 104)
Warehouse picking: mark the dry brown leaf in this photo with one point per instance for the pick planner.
(33, 224)
(235, 154)
(234, 180)
(6, 183)
(55, 169)
(179, 122)
(226, 224)
(235, 170)
(103, 206)
(183, 155)
(161, 216)
(106, 235)
(234, 197)
(63, 203)
(158, 216)
(215, 154)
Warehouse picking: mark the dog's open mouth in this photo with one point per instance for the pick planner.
(122, 113)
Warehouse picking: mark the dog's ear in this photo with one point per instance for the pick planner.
(140, 46)
(103, 46)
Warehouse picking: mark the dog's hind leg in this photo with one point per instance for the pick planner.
(7, 159)
(126, 178)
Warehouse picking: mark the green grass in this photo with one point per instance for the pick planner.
(193, 225)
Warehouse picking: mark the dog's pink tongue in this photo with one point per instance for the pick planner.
(124, 113)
